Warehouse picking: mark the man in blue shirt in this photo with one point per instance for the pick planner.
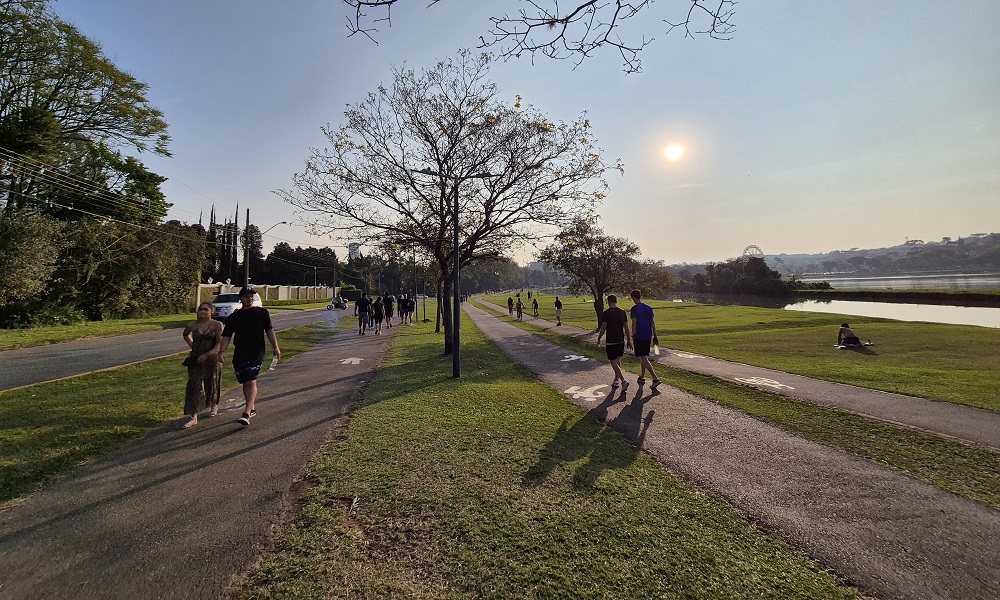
(643, 334)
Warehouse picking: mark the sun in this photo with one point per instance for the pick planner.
(674, 152)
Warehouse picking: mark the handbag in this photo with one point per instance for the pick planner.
(189, 362)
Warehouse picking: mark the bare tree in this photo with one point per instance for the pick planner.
(575, 30)
(391, 171)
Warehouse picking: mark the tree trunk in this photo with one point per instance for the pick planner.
(599, 308)
(446, 314)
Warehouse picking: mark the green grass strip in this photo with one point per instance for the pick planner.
(496, 486)
(50, 429)
(967, 470)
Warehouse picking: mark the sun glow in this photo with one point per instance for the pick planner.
(674, 152)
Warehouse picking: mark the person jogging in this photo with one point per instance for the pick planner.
(248, 325)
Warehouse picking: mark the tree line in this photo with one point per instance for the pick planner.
(82, 231)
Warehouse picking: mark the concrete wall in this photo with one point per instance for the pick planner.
(205, 292)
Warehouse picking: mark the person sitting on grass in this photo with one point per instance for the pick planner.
(847, 337)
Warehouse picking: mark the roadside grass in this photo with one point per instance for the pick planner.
(49, 429)
(951, 363)
(496, 486)
(964, 469)
(39, 336)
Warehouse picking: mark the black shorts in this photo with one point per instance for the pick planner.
(641, 347)
(615, 350)
(851, 341)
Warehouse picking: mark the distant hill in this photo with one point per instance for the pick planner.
(975, 253)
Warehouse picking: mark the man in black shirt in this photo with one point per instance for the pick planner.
(614, 323)
(361, 309)
(249, 324)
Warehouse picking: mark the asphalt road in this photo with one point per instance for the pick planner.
(38, 364)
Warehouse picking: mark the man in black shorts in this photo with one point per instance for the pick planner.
(614, 322)
(249, 324)
(361, 310)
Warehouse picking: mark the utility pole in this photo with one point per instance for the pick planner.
(246, 250)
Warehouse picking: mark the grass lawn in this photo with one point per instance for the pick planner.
(953, 363)
(496, 486)
(50, 429)
(964, 469)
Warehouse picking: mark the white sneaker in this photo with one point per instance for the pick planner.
(615, 384)
(624, 385)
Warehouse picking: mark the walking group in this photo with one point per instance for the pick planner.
(519, 306)
(372, 313)
(640, 338)
(208, 340)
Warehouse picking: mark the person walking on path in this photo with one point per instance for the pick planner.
(534, 307)
(388, 302)
(204, 337)
(558, 311)
(361, 308)
(520, 309)
(510, 306)
(614, 323)
(249, 324)
(643, 336)
(378, 314)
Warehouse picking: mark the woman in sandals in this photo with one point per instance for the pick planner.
(204, 337)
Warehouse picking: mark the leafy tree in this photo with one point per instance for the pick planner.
(599, 264)
(573, 30)
(29, 250)
(60, 97)
(511, 168)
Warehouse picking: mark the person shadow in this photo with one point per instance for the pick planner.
(595, 440)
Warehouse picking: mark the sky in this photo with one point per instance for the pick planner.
(819, 126)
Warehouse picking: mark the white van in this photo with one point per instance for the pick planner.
(227, 304)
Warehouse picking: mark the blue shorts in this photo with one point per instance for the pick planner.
(248, 372)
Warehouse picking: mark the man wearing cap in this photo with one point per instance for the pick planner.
(249, 324)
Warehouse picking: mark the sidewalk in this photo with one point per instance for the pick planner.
(893, 536)
(974, 425)
(176, 513)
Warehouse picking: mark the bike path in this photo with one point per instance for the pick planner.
(884, 531)
(981, 427)
(176, 513)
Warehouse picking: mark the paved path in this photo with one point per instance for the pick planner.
(890, 534)
(38, 364)
(974, 425)
(177, 513)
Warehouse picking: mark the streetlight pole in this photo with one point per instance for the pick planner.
(246, 248)
(456, 364)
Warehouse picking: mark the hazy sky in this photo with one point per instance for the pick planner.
(820, 126)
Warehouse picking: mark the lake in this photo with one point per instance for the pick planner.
(940, 281)
(932, 313)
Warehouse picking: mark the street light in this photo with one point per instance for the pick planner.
(246, 248)
(456, 368)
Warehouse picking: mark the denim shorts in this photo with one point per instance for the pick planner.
(248, 372)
